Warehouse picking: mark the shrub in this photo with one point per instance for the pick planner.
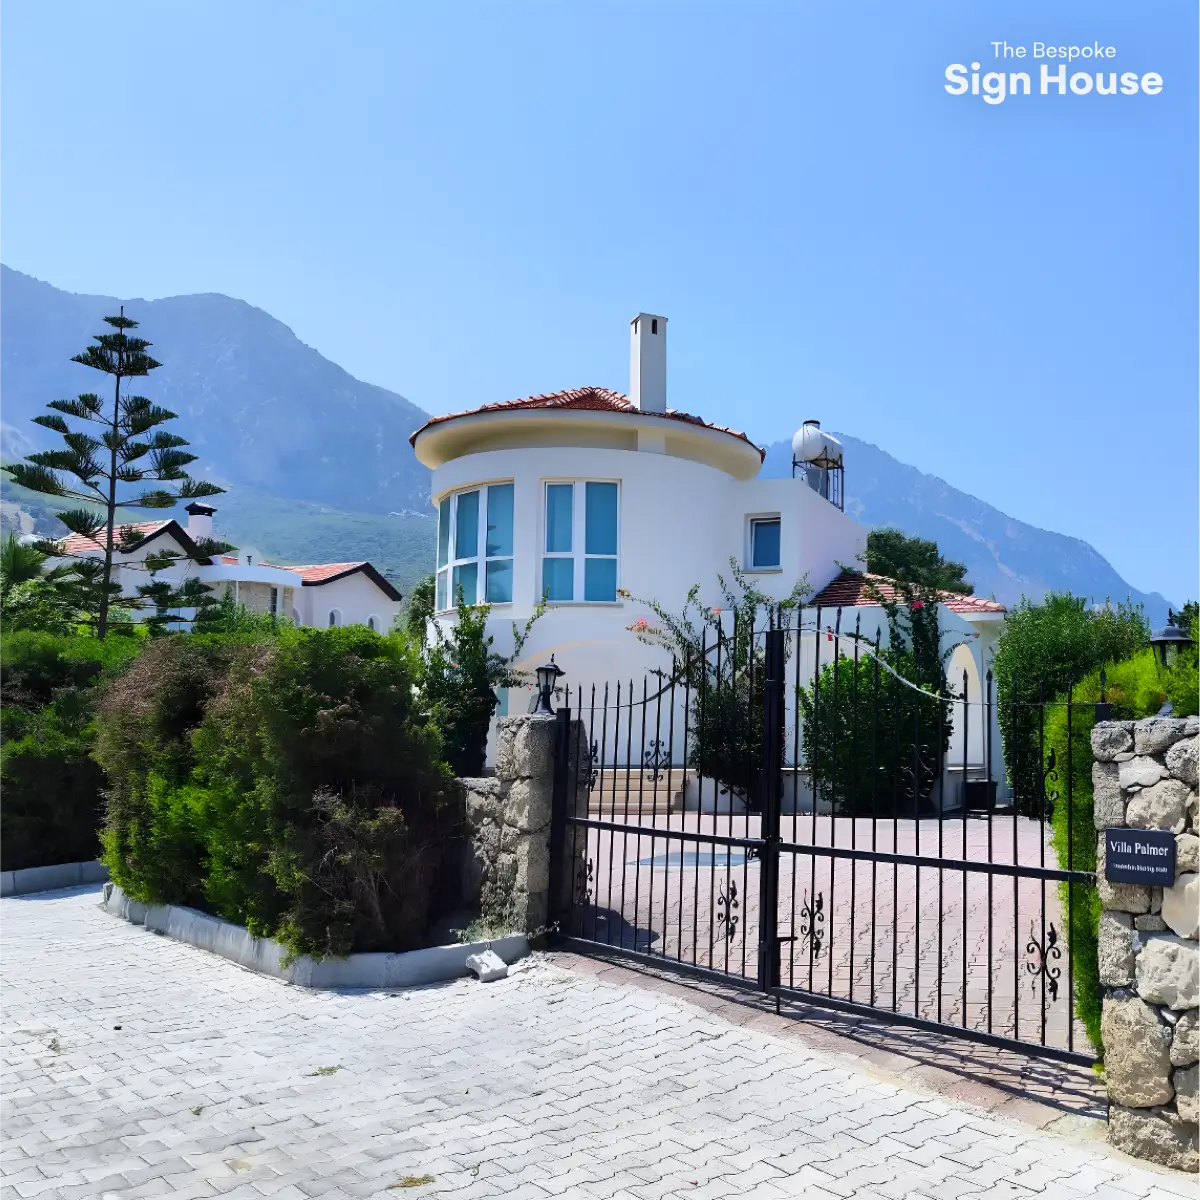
(52, 805)
(1134, 689)
(288, 783)
(1042, 649)
(1182, 678)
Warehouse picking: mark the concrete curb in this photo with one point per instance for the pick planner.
(50, 879)
(411, 969)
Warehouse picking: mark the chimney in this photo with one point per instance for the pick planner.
(199, 524)
(648, 363)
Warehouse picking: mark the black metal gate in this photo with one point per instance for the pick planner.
(729, 828)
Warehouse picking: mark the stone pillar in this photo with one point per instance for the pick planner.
(1144, 777)
(508, 823)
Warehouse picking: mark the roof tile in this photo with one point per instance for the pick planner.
(849, 590)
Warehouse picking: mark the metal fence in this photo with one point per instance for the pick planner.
(732, 828)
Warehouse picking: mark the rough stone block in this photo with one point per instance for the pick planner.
(1168, 971)
(1182, 762)
(1184, 1080)
(533, 866)
(1117, 949)
(1111, 737)
(1185, 1044)
(1108, 801)
(1141, 772)
(1155, 1136)
(1162, 805)
(533, 749)
(529, 800)
(484, 799)
(1181, 906)
(1121, 897)
(1187, 853)
(1137, 1054)
(506, 738)
(487, 965)
(1149, 923)
(1156, 734)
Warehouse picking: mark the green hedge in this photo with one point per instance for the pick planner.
(1134, 688)
(288, 783)
(51, 786)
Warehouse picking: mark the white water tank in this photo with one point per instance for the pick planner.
(811, 445)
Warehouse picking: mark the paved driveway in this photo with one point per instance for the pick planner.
(135, 1066)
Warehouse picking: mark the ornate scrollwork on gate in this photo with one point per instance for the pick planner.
(657, 759)
(583, 882)
(1041, 959)
(812, 924)
(592, 766)
(1050, 777)
(727, 903)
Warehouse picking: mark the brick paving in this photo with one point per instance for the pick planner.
(961, 947)
(138, 1067)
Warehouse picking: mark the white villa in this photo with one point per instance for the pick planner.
(323, 595)
(596, 500)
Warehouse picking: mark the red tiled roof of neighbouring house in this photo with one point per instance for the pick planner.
(315, 575)
(585, 399)
(77, 543)
(852, 589)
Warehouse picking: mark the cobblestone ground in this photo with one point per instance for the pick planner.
(135, 1066)
(963, 947)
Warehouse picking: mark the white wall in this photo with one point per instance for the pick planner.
(680, 523)
(356, 597)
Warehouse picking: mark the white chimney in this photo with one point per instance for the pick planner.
(648, 363)
(199, 523)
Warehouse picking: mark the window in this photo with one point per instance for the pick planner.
(475, 545)
(580, 558)
(373, 624)
(335, 618)
(274, 602)
(764, 544)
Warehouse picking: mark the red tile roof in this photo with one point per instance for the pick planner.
(323, 572)
(585, 399)
(76, 543)
(849, 590)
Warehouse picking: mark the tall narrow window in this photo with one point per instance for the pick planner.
(600, 542)
(580, 560)
(558, 567)
(475, 544)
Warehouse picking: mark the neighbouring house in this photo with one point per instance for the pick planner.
(598, 501)
(321, 595)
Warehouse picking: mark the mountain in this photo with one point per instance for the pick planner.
(318, 466)
(1005, 558)
(260, 408)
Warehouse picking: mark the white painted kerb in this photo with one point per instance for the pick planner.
(411, 969)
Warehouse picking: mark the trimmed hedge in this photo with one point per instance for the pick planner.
(1134, 688)
(52, 807)
(289, 783)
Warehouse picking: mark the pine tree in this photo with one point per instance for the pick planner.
(93, 469)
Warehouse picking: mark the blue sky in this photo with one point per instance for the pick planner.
(468, 202)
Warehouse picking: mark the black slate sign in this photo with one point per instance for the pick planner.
(1144, 856)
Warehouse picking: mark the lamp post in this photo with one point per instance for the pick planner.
(546, 677)
(1166, 644)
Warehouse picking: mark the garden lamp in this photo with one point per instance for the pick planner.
(1168, 641)
(546, 677)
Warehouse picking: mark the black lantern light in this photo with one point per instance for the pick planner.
(1168, 641)
(546, 678)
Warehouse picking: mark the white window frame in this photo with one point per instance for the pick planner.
(480, 557)
(334, 619)
(753, 519)
(578, 550)
(374, 624)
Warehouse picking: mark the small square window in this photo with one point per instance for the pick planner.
(764, 544)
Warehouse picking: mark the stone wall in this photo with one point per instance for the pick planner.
(508, 821)
(1144, 777)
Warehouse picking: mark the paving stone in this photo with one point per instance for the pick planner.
(546, 1083)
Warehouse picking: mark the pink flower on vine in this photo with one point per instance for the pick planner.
(716, 612)
(640, 624)
(918, 604)
(829, 633)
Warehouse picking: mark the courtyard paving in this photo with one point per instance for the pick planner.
(134, 1066)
